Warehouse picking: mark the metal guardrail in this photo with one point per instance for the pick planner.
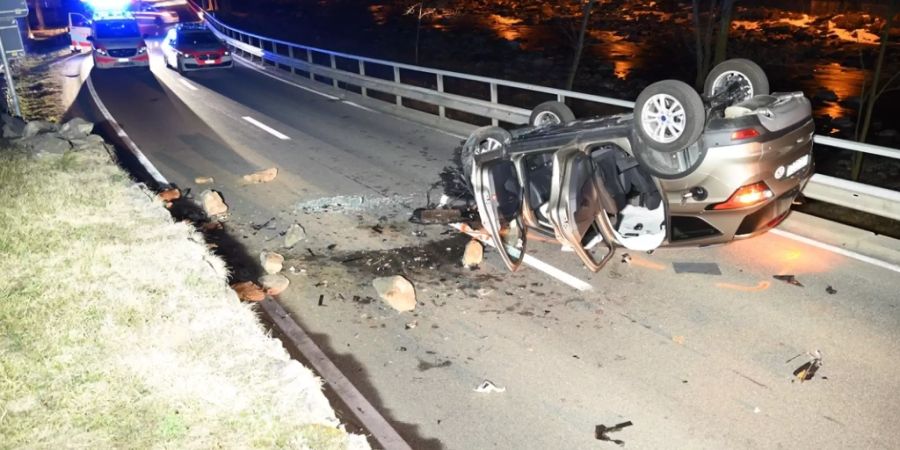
(497, 101)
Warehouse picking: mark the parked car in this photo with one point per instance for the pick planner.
(681, 169)
(190, 47)
(154, 20)
(116, 41)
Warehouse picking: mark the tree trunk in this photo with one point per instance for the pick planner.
(585, 16)
(39, 14)
(418, 31)
(698, 82)
(873, 96)
(724, 29)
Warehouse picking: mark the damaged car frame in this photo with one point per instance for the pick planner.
(682, 169)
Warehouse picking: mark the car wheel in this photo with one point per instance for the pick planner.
(481, 141)
(669, 116)
(550, 113)
(750, 78)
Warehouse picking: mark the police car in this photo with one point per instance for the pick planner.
(114, 37)
(190, 46)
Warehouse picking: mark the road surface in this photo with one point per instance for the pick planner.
(690, 360)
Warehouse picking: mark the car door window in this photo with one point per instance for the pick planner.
(579, 206)
(499, 197)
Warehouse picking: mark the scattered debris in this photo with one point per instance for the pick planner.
(378, 229)
(274, 284)
(436, 216)
(295, 234)
(211, 226)
(626, 258)
(808, 370)
(262, 225)
(204, 180)
(601, 432)
(321, 299)
(249, 291)
(473, 255)
(678, 340)
(397, 292)
(831, 290)
(262, 176)
(271, 262)
(169, 195)
(411, 325)
(789, 279)
(701, 268)
(212, 203)
(487, 387)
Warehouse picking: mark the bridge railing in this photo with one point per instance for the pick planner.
(481, 100)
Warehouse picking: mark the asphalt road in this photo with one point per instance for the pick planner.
(690, 360)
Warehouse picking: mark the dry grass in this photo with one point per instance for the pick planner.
(117, 328)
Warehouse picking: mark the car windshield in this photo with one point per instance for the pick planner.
(114, 29)
(204, 39)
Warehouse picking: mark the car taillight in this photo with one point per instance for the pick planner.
(746, 196)
(746, 133)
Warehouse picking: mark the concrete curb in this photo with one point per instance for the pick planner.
(843, 236)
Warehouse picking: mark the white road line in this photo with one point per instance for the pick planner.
(266, 128)
(187, 85)
(253, 67)
(371, 419)
(132, 147)
(535, 263)
(296, 85)
(838, 250)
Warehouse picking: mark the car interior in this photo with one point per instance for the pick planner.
(634, 205)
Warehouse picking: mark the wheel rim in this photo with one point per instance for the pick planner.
(545, 118)
(663, 118)
(726, 78)
(488, 145)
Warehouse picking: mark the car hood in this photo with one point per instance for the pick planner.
(131, 42)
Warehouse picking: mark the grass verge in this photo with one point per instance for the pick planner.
(117, 328)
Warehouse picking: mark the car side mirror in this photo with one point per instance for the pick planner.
(90, 38)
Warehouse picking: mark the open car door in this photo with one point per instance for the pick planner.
(498, 193)
(79, 31)
(578, 208)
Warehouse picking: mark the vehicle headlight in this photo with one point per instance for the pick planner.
(141, 50)
(227, 53)
(101, 51)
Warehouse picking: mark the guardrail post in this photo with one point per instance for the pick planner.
(334, 81)
(309, 59)
(560, 98)
(494, 120)
(397, 80)
(291, 55)
(442, 112)
(362, 71)
(262, 48)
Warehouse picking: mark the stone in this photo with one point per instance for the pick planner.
(76, 128)
(204, 180)
(36, 127)
(274, 284)
(169, 195)
(212, 203)
(45, 144)
(249, 291)
(91, 140)
(13, 127)
(295, 234)
(263, 176)
(271, 262)
(473, 255)
(397, 292)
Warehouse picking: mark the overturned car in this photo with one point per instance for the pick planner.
(682, 169)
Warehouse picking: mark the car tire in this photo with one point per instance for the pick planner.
(669, 116)
(482, 140)
(550, 113)
(752, 78)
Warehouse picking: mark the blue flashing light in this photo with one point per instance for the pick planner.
(108, 5)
